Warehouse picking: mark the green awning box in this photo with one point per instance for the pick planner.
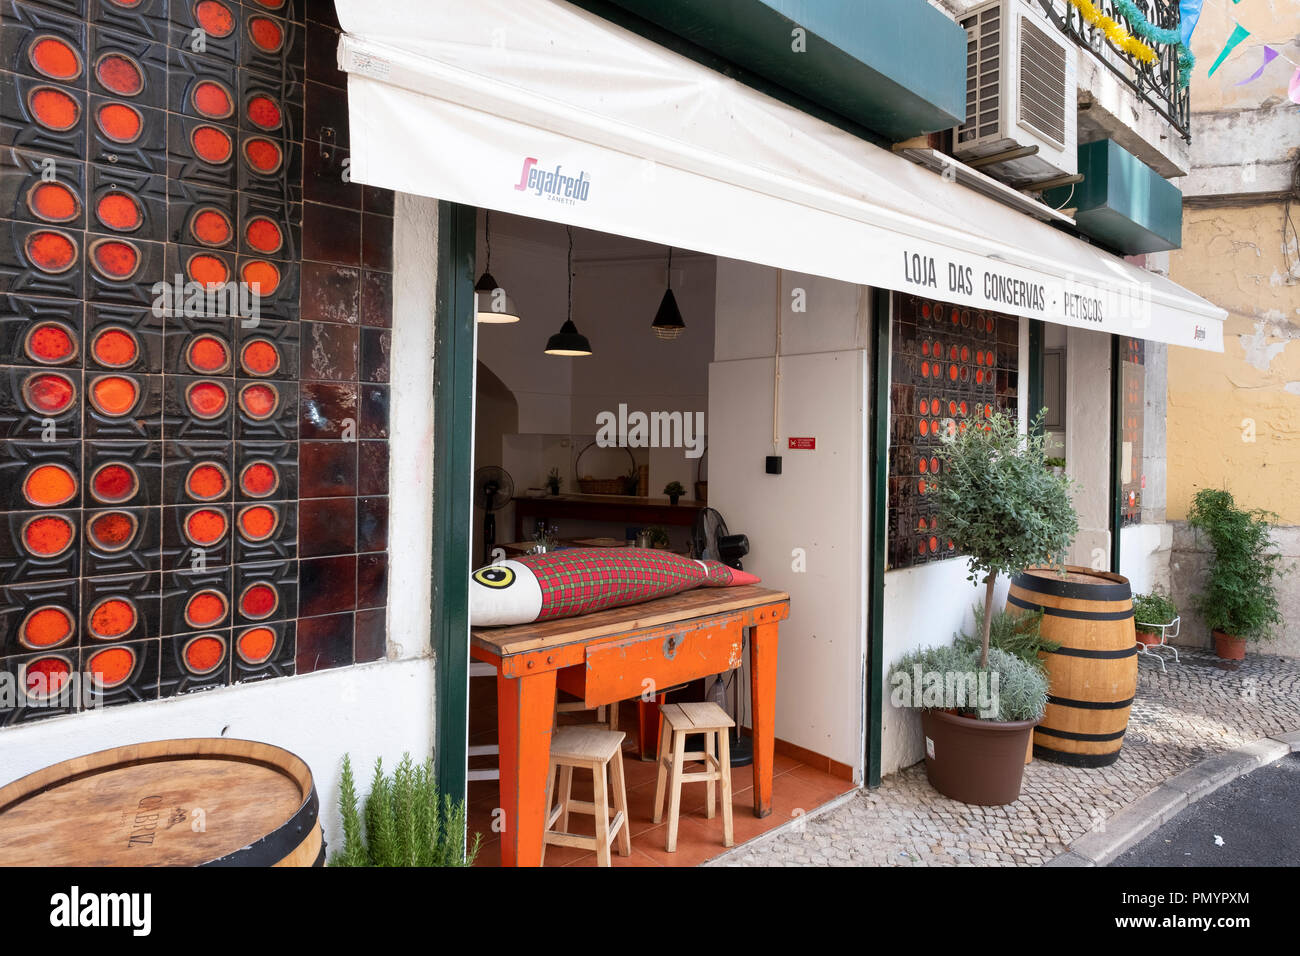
(897, 67)
(1122, 202)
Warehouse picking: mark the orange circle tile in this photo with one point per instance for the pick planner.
(205, 526)
(264, 112)
(262, 277)
(114, 483)
(49, 393)
(204, 654)
(119, 73)
(47, 626)
(260, 357)
(48, 536)
(259, 479)
(266, 34)
(207, 608)
(264, 235)
(115, 259)
(112, 618)
(255, 645)
(212, 100)
(259, 401)
(119, 211)
(258, 522)
(111, 667)
(53, 202)
(119, 122)
(112, 531)
(46, 677)
(50, 343)
(207, 400)
(53, 109)
(259, 601)
(207, 482)
(215, 18)
(115, 347)
(207, 354)
(48, 486)
(51, 252)
(114, 395)
(54, 58)
(211, 227)
(207, 270)
(213, 146)
(262, 155)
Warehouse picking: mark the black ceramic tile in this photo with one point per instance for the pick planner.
(194, 662)
(46, 684)
(328, 468)
(120, 673)
(372, 473)
(327, 526)
(324, 642)
(265, 591)
(327, 116)
(266, 471)
(330, 352)
(379, 200)
(331, 293)
(326, 585)
(328, 410)
(196, 601)
(372, 524)
(39, 617)
(331, 234)
(372, 580)
(375, 354)
(370, 643)
(326, 177)
(377, 242)
(374, 411)
(119, 608)
(41, 332)
(322, 55)
(377, 299)
(263, 650)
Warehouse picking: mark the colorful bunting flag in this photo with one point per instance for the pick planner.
(1269, 56)
(1239, 33)
(1189, 11)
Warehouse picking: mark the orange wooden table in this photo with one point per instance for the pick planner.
(616, 655)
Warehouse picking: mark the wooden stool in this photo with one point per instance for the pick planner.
(593, 748)
(679, 721)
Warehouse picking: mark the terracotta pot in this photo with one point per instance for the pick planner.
(1150, 640)
(1229, 648)
(975, 761)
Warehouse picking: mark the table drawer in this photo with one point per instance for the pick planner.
(619, 670)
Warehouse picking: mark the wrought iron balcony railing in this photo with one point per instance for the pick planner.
(1157, 82)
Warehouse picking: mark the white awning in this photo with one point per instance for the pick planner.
(542, 109)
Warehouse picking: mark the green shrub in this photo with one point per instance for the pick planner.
(1017, 632)
(1021, 687)
(999, 504)
(406, 824)
(1240, 596)
(1153, 609)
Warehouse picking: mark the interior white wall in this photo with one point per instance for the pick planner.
(818, 504)
(1144, 553)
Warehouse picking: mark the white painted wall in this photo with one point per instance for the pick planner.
(376, 710)
(382, 709)
(1087, 443)
(818, 503)
(1144, 552)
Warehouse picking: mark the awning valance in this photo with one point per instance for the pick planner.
(542, 109)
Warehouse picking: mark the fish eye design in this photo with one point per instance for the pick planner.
(495, 577)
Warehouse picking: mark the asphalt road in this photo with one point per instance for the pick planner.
(1257, 818)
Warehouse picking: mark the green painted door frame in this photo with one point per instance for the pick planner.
(1035, 367)
(453, 451)
(878, 470)
(1116, 449)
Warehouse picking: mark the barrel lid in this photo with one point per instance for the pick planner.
(164, 803)
(1073, 581)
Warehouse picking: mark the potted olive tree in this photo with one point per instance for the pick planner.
(1239, 602)
(1000, 505)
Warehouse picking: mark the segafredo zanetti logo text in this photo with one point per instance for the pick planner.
(553, 184)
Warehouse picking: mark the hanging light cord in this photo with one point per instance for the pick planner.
(487, 239)
(670, 267)
(569, 229)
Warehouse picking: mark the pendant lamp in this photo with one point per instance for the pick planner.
(491, 302)
(569, 341)
(668, 322)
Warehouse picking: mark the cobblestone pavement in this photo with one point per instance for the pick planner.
(1199, 708)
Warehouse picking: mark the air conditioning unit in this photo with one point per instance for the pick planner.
(1020, 95)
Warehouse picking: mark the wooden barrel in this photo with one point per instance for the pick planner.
(1094, 673)
(199, 802)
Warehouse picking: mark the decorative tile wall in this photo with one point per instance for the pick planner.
(950, 367)
(194, 489)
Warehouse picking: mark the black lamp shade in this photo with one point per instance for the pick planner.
(493, 305)
(568, 341)
(668, 322)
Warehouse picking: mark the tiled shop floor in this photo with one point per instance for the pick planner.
(796, 788)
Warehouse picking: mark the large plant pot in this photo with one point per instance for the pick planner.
(975, 761)
(1149, 639)
(1229, 648)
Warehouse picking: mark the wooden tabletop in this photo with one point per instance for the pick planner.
(698, 602)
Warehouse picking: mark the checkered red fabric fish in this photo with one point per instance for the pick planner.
(541, 587)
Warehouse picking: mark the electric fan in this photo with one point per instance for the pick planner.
(711, 540)
(493, 489)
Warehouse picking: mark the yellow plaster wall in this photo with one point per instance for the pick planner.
(1233, 257)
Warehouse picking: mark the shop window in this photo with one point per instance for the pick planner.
(951, 368)
(192, 498)
(1132, 480)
